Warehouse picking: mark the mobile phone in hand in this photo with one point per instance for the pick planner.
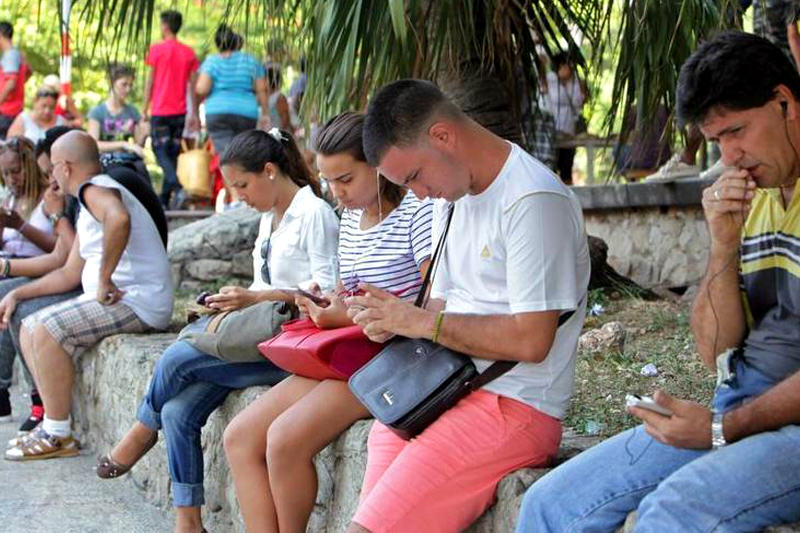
(646, 402)
(319, 300)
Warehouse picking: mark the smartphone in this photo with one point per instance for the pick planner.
(319, 300)
(646, 402)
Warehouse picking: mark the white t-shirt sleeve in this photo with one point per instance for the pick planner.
(419, 232)
(11, 61)
(541, 246)
(322, 241)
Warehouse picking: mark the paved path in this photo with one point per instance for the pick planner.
(65, 495)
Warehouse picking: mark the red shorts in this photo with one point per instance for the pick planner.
(445, 478)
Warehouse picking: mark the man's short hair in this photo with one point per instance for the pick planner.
(173, 20)
(46, 143)
(6, 29)
(399, 112)
(735, 71)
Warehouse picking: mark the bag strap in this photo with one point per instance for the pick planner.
(498, 368)
(421, 300)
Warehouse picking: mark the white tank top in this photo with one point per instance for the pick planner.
(33, 131)
(143, 271)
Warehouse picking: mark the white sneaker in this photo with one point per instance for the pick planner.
(672, 170)
(714, 171)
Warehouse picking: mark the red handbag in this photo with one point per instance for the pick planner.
(306, 350)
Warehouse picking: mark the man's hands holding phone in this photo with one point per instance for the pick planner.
(689, 426)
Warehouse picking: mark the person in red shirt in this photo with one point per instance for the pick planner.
(13, 75)
(173, 71)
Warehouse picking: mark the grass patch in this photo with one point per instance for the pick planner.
(658, 333)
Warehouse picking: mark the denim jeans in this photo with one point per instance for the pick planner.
(166, 132)
(223, 127)
(745, 486)
(187, 385)
(9, 337)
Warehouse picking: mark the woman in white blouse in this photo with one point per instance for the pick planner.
(296, 244)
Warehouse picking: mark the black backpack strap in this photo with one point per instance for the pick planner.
(499, 368)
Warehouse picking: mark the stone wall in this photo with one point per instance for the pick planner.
(654, 246)
(114, 375)
(656, 232)
(214, 248)
(112, 379)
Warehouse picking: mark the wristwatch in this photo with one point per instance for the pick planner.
(717, 436)
(55, 217)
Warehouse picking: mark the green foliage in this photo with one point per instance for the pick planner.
(654, 38)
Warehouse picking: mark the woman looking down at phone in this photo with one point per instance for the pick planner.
(385, 236)
(296, 243)
(27, 230)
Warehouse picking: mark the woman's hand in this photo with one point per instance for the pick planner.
(11, 219)
(230, 298)
(330, 317)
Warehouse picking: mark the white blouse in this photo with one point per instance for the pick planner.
(15, 244)
(302, 248)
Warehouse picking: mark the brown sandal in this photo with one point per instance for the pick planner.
(108, 468)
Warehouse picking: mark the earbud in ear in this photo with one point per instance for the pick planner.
(784, 107)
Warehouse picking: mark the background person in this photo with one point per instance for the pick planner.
(114, 123)
(565, 95)
(173, 72)
(234, 87)
(279, 110)
(14, 72)
(34, 123)
(65, 105)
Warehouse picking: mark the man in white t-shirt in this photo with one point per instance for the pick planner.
(516, 259)
(120, 260)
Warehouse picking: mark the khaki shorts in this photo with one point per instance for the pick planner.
(79, 325)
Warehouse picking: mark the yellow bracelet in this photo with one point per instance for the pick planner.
(437, 326)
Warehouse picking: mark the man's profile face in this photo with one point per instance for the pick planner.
(60, 168)
(756, 140)
(426, 169)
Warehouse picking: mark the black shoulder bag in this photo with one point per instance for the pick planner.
(411, 382)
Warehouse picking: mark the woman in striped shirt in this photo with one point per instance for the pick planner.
(384, 239)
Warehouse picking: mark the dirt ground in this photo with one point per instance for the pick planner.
(657, 333)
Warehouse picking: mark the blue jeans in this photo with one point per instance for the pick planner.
(9, 337)
(744, 486)
(187, 385)
(166, 134)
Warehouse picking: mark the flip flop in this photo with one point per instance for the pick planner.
(108, 468)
